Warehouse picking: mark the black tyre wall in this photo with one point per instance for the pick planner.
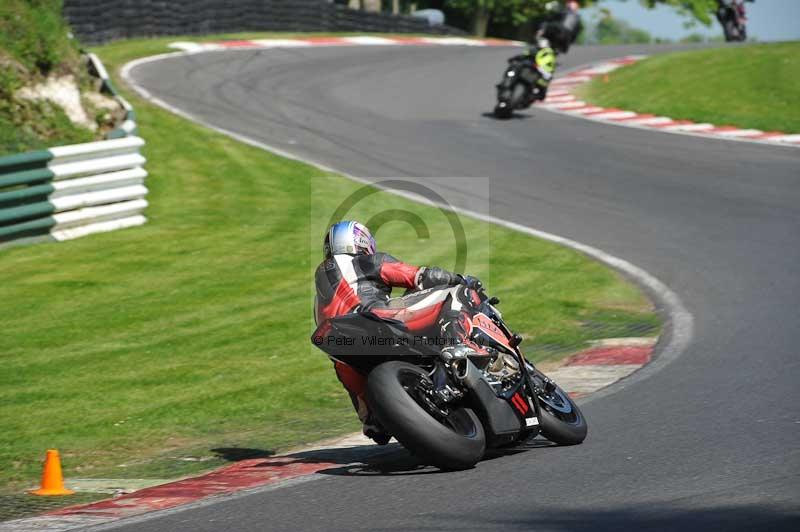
(417, 430)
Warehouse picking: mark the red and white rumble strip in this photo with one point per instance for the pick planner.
(358, 40)
(603, 364)
(560, 99)
(592, 369)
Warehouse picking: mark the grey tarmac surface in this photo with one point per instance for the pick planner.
(711, 442)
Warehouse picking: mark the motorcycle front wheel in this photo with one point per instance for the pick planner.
(503, 110)
(450, 438)
(510, 96)
(560, 419)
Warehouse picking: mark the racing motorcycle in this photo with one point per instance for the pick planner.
(562, 25)
(447, 407)
(525, 80)
(732, 16)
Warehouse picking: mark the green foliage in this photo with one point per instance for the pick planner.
(755, 86)
(693, 38)
(603, 28)
(30, 125)
(699, 10)
(34, 42)
(508, 12)
(613, 31)
(514, 11)
(33, 33)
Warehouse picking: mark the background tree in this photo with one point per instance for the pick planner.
(476, 15)
(614, 31)
(515, 12)
(695, 10)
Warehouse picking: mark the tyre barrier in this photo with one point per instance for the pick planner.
(98, 21)
(66, 192)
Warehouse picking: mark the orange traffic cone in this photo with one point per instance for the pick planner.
(52, 479)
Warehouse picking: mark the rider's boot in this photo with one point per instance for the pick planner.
(369, 425)
(373, 430)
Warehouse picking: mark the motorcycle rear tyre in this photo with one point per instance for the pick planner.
(419, 432)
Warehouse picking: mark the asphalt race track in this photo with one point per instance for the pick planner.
(710, 442)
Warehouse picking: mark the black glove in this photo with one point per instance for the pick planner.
(430, 277)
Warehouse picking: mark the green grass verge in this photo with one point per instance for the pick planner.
(139, 352)
(754, 86)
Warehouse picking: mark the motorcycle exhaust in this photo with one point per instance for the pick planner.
(460, 368)
(499, 420)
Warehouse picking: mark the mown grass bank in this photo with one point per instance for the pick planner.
(35, 45)
(142, 353)
(753, 86)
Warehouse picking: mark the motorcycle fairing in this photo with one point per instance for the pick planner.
(486, 333)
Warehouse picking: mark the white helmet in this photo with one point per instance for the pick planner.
(348, 237)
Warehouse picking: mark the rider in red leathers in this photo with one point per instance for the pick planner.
(355, 277)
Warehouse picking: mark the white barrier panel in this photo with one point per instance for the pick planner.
(134, 176)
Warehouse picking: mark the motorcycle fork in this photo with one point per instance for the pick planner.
(530, 385)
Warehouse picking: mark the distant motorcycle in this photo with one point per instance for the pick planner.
(732, 16)
(562, 25)
(525, 80)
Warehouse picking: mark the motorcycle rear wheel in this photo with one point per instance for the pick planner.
(452, 439)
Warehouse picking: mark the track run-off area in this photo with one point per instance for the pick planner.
(709, 441)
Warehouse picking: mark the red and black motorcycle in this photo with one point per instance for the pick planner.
(448, 407)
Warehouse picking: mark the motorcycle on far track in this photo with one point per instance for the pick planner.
(528, 75)
(525, 80)
(448, 407)
(732, 16)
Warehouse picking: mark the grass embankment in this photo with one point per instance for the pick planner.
(138, 353)
(34, 44)
(754, 86)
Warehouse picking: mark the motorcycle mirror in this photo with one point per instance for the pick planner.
(515, 340)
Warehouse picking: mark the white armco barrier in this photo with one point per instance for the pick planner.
(71, 191)
(98, 187)
(77, 190)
